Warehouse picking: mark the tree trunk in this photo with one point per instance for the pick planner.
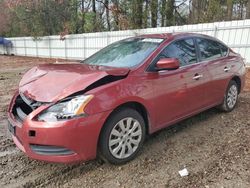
(154, 11)
(107, 14)
(170, 13)
(145, 14)
(248, 10)
(47, 15)
(94, 17)
(194, 12)
(198, 9)
(93, 6)
(137, 14)
(83, 16)
(116, 14)
(229, 9)
(163, 13)
(77, 25)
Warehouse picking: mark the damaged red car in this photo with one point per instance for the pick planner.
(107, 104)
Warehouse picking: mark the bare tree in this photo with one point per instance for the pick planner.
(198, 9)
(194, 11)
(154, 11)
(107, 14)
(95, 15)
(115, 12)
(248, 10)
(229, 9)
(163, 12)
(146, 14)
(170, 16)
(137, 7)
(83, 16)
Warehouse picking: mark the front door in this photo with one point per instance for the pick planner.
(179, 92)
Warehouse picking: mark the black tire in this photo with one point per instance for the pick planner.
(112, 123)
(225, 105)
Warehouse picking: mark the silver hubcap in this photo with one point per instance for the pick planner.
(232, 96)
(125, 138)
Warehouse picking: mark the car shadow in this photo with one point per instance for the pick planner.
(186, 123)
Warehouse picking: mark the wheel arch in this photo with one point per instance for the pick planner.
(139, 107)
(238, 81)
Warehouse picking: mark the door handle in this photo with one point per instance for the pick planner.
(226, 69)
(197, 76)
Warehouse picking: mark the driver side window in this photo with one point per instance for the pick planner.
(183, 50)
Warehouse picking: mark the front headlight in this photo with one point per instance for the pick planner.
(66, 109)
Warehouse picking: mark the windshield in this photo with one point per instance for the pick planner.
(125, 53)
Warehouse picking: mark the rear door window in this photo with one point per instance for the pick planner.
(209, 49)
(224, 50)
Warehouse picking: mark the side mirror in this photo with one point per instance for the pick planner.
(167, 64)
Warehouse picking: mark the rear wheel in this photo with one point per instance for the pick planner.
(231, 97)
(122, 137)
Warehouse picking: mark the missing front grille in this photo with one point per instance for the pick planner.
(21, 110)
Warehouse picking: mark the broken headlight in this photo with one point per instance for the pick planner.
(66, 109)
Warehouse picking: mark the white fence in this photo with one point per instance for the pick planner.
(236, 34)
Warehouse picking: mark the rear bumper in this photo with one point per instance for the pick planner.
(63, 141)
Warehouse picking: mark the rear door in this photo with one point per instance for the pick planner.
(214, 54)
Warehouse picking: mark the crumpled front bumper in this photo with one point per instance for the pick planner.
(65, 141)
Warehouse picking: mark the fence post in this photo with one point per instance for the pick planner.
(65, 48)
(36, 48)
(25, 47)
(15, 46)
(215, 31)
(108, 39)
(84, 47)
(49, 47)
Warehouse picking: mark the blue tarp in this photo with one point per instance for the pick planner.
(4, 41)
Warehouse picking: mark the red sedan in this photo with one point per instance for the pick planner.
(109, 102)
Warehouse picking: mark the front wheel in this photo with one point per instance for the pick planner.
(231, 97)
(122, 137)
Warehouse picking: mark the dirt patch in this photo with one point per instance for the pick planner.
(213, 146)
(247, 86)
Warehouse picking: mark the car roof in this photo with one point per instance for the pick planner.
(162, 35)
(178, 35)
(175, 35)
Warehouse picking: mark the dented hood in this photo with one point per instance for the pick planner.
(52, 82)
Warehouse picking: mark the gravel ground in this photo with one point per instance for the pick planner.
(213, 146)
